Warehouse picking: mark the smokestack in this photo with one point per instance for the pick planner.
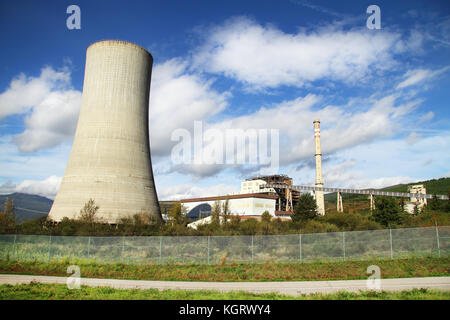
(319, 181)
(110, 157)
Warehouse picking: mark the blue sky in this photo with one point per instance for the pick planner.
(381, 95)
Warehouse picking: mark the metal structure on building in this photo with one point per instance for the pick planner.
(419, 196)
(286, 198)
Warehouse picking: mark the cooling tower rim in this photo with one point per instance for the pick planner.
(120, 42)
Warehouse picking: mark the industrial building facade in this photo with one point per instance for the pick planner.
(252, 201)
(252, 204)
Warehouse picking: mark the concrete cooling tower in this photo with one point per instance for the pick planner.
(110, 158)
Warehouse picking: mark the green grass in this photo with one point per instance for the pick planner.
(35, 291)
(344, 270)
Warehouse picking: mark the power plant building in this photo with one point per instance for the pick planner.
(253, 204)
(252, 201)
(110, 157)
(418, 202)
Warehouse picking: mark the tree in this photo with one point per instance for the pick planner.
(87, 214)
(447, 205)
(387, 212)
(226, 210)
(434, 203)
(266, 226)
(402, 204)
(215, 212)
(177, 214)
(7, 216)
(416, 210)
(306, 209)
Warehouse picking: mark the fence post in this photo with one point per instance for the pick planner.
(343, 243)
(390, 241)
(300, 246)
(89, 247)
(252, 248)
(14, 248)
(437, 240)
(49, 248)
(160, 249)
(123, 248)
(208, 249)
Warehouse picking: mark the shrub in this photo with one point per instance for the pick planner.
(266, 217)
(349, 222)
(314, 226)
(249, 227)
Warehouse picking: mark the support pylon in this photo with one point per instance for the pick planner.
(372, 203)
(340, 206)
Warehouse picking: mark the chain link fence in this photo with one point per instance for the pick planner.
(302, 248)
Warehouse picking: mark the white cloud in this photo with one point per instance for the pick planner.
(7, 187)
(383, 182)
(52, 121)
(25, 92)
(51, 104)
(341, 129)
(427, 117)
(413, 137)
(186, 191)
(16, 166)
(264, 56)
(388, 162)
(413, 77)
(177, 98)
(46, 188)
(337, 174)
(319, 8)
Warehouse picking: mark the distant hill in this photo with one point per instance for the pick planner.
(434, 186)
(28, 206)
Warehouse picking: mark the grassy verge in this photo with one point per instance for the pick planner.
(36, 291)
(346, 270)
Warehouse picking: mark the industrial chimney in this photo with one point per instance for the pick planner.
(319, 181)
(110, 158)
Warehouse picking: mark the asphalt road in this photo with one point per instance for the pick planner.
(285, 287)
